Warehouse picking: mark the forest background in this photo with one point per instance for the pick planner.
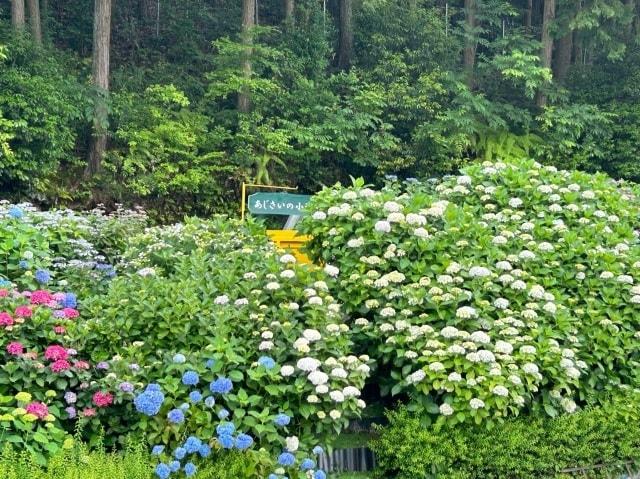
(171, 104)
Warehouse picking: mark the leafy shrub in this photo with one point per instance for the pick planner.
(509, 287)
(76, 247)
(39, 361)
(230, 298)
(607, 435)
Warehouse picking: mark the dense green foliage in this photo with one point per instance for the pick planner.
(407, 105)
(602, 441)
(509, 288)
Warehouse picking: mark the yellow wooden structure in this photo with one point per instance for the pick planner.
(285, 239)
(289, 239)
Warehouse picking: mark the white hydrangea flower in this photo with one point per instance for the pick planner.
(416, 377)
(382, 226)
(286, 370)
(319, 215)
(351, 391)
(308, 364)
(476, 403)
(318, 377)
(500, 391)
(446, 409)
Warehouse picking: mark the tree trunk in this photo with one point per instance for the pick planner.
(469, 54)
(289, 6)
(17, 14)
(34, 20)
(631, 6)
(528, 16)
(346, 35)
(248, 22)
(100, 79)
(150, 11)
(562, 62)
(547, 43)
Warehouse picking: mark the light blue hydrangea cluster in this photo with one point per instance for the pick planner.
(150, 400)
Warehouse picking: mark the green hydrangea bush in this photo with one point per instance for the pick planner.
(232, 306)
(509, 288)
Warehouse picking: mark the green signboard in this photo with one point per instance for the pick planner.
(277, 204)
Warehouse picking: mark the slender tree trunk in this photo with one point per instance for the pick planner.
(150, 11)
(562, 61)
(469, 54)
(346, 35)
(100, 79)
(631, 6)
(34, 20)
(248, 22)
(528, 16)
(17, 14)
(289, 7)
(547, 43)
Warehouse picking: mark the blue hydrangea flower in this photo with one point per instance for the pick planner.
(15, 212)
(267, 362)
(175, 416)
(282, 420)
(23, 263)
(190, 378)
(157, 450)
(195, 396)
(221, 385)
(223, 414)
(162, 471)
(184, 406)
(205, 450)
(102, 365)
(179, 453)
(210, 401)
(189, 469)
(225, 428)
(150, 401)
(286, 459)
(192, 444)
(272, 476)
(319, 474)
(307, 465)
(179, 359)
(4, 283)
(153, 387)
(226, 441)
(210, 363)
(42, 276)
(243, 441)
(71, 411)
(69, 301)
(174, 466)
(317, 450)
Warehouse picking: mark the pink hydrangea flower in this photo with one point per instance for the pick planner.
(60, 365)
(6, 319)
(58, 296)
(59, 329)
(38, 409)
(15, 348)
(70, 313)
(81, 365)
(55, 352)
(102, 399)
(40, 297)
(24, 311)
(4, 293)
(88, 412)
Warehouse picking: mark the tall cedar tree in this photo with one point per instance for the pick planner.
(100, 79)
(248, 22)
(34, 20)
(17, 14)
